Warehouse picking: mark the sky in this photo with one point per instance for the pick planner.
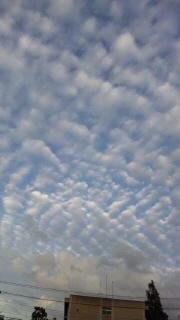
(89, 147)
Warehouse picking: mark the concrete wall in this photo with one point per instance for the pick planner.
(90, 308)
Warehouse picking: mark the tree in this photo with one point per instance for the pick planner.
(154, 310)
(39, 313)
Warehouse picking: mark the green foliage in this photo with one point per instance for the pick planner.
(154, 310)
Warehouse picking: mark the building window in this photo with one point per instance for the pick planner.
(106, 311)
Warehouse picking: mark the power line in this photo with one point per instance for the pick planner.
(74, 291)
(59, 301)
(30, 297)
(15, 314)
(36, 287)
(27, 305)
(8, 317)
(21, 304)
(89, 304)
(80, 303)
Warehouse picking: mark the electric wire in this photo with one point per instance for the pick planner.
(75, 291)
(80, 303)
(21, 304)
(15, 314)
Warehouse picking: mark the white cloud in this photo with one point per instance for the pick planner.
(37, 148)
(34, 46)
(6, 25)
(90, 144)
(10, 60)
(36, 20)
(62, 8)
(126, 49)
(116, 9)
(90, 25)
(20, 174)
(12, 203)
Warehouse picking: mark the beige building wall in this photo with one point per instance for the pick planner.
(96, 308)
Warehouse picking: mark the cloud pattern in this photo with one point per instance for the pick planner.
(89, 147)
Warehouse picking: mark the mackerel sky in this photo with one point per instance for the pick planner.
(90, 145)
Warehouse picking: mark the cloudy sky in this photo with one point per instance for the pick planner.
(89, 146)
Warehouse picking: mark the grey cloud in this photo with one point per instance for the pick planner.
(33, 229)
(134, 258)
(45, 261)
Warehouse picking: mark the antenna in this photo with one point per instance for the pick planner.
(100, 285)
(106, 284)
(112, 289)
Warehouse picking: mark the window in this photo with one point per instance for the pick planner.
(106, 311)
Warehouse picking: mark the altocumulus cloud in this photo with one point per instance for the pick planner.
(89, 162)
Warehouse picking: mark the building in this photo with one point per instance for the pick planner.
(79, 307)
